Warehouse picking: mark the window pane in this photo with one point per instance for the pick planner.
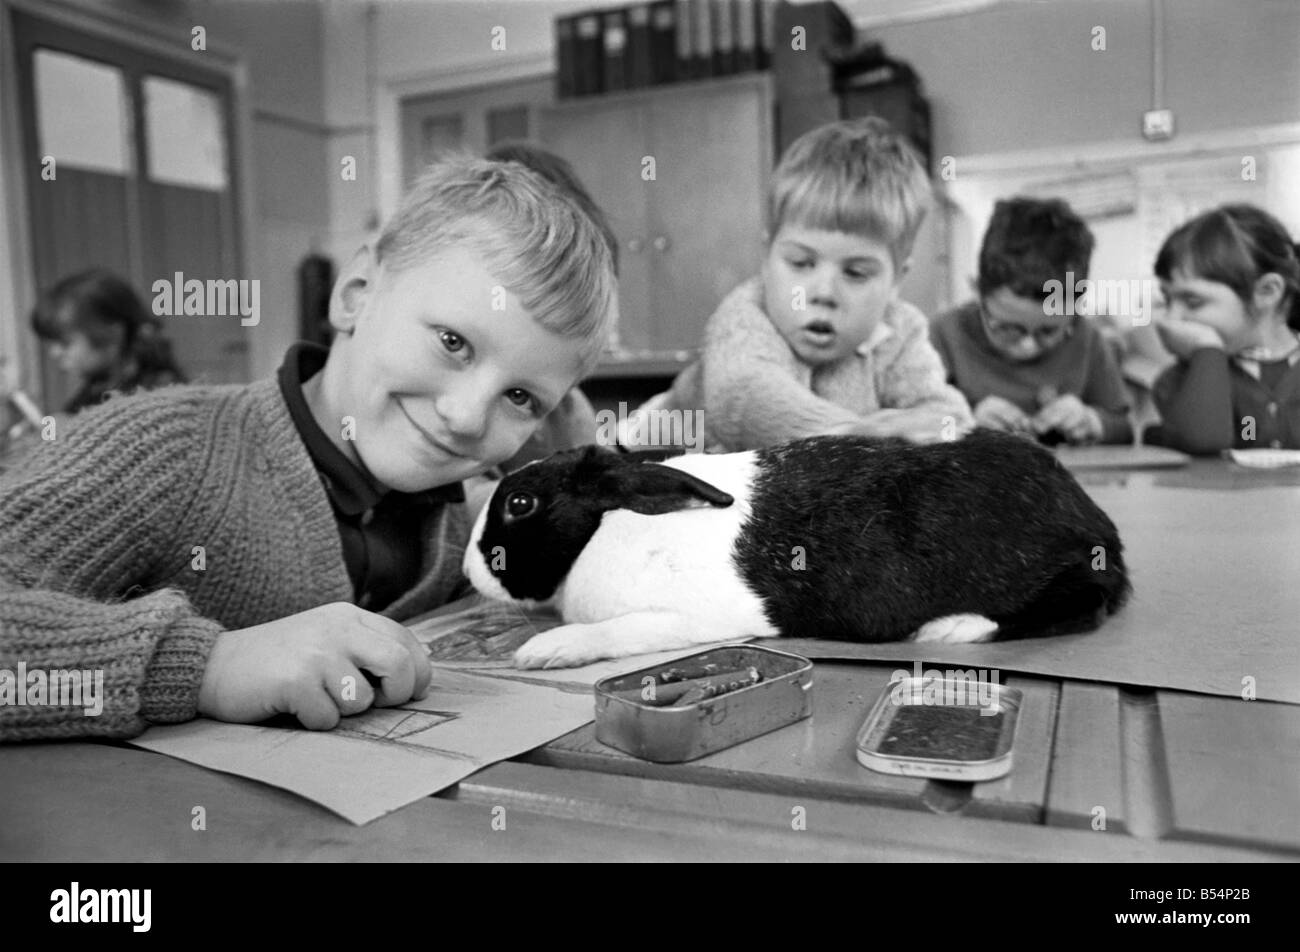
(185, 133)
(83, 114)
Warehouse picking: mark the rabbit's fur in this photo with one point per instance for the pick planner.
(847, 538)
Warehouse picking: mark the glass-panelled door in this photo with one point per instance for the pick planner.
(130, 165)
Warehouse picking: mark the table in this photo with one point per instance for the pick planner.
(1179, 776)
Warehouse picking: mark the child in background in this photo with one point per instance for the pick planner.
(819, 342)
(1024, 369)
(1231, 280)
(103, 337)
(243, 551)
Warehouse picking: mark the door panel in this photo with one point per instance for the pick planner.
(183, 233)
(605, 145)
(706, 205)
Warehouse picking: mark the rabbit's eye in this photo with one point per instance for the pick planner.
(520, 506)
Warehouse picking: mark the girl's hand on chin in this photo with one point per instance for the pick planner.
(1183, 338)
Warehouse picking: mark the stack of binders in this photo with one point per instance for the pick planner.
(661, 41)
(812, 36)
(870, 83)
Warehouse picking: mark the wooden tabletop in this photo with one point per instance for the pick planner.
(1175, 776)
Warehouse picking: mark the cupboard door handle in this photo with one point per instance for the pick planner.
(660, 243)
(635, 245)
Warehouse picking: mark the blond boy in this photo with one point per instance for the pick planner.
(819, 342)
(240, 552)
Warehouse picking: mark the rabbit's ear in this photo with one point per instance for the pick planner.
(652, 489)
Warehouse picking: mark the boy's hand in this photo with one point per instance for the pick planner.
(311, 665)
(1070, 417)
(1183, 338)
(998, 414)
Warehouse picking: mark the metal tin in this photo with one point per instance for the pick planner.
(672, 734)
(933, 727)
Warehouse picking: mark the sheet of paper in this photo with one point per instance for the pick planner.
(481, 710)
(1215, 606)
(1120, 457)
(386, 758)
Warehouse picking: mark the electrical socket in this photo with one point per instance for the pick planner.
(1158, 124)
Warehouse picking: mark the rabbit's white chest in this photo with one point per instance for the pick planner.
(681, 561)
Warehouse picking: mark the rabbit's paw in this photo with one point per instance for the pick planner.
(569, 646)
(957, 629)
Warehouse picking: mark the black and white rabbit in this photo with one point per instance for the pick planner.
(848, 538)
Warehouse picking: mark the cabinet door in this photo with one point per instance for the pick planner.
(711, 144)
(473, 120)
(605, 142)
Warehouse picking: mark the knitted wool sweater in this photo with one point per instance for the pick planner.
(755, 391)
(98, 530)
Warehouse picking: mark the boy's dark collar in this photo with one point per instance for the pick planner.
(351, 490)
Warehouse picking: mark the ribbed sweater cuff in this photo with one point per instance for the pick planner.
(172, 679)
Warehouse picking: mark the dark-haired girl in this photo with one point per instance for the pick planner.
(1231, 283)
(100, 333)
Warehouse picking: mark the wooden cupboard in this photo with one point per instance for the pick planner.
(681, 171)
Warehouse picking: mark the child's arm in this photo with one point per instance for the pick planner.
(754, 390)
(76, 519)
(919, 402)
(1100, 413)
(1194, 398)
(150, 653)
(83, 521)
(1104, 392)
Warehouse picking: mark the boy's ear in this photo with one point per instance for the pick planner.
(352, 289)
(1270, 288)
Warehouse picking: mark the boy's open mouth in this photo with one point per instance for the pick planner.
(819, 333)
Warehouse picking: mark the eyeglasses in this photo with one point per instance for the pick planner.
(1011, 333)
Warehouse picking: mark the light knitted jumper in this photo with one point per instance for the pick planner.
(97, 536)
(755, 391)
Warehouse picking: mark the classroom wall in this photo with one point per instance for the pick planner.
(281, 44)
(1038, 82)
(1227, 63)
(315, 69)
(371, 46)
(1233, 64)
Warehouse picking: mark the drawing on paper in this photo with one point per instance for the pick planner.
(393, 725)
(484, 633)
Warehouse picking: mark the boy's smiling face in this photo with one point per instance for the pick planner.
(844, 282)
(440, 384)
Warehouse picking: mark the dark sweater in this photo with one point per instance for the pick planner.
(1204, 403)
(1082, 365)
(97, 536)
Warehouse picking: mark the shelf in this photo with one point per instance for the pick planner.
(703, 84)
(655, 364)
